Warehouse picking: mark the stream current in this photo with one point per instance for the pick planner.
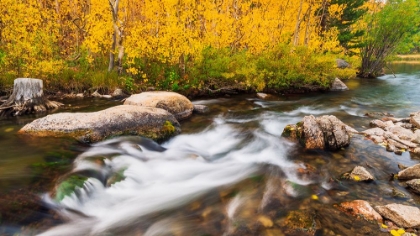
(229, 173)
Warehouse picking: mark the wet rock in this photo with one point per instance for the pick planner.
(153, 123)
(395, 193)
(415, 119)
(174, 103)
(414, 185)
(402, 215)
(338, 85)
(324, 132)
(360, 208)
(359, 173)
(201, 109)
(412, 172)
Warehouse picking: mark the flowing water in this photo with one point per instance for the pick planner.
(229, 173)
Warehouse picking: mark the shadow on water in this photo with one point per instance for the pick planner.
(229, 173)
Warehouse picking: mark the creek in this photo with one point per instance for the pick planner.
(229, 173)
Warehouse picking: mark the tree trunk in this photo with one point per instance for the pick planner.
(27, 97)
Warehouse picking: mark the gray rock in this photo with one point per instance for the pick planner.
(359, 173)
(175, 103)
(153, 123)
(414, 185)
(402, 215)
(415, 119)
(342, 64)
(412, 172)
(201, 109)
(338, 85)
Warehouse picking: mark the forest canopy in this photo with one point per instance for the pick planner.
(179, 44)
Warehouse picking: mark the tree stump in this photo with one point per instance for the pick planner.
(27, 97)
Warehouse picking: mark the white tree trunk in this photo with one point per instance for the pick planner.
(27, 97)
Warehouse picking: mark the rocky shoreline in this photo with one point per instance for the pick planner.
(397, 135)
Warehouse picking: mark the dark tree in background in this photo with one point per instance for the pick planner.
(352, 11)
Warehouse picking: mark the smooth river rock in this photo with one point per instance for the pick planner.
(175, 103)
(402, 215)
(149, 122)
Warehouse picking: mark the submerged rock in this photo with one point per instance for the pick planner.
(201, 109)
(402, 215)
(299, 222)
(324, 132)
(412, 172)
(174, 103)
(338, 85)
(153, 123)
(360, 208)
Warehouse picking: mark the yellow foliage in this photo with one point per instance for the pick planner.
(356, 177)
(398, 232)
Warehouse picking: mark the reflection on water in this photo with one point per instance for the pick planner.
(230, 172)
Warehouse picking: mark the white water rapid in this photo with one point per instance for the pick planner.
(162, 178)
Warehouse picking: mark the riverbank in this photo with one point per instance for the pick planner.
(250, 119)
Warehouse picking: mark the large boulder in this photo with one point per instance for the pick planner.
(402, 215)
(412, 172)
(174, 103)
(324, 132)
(338, 85)
(150, 122)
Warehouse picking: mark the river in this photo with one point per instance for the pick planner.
(229, 173)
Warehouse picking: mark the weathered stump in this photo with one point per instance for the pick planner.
(27, 97)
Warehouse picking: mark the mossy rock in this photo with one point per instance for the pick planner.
(68, 186)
